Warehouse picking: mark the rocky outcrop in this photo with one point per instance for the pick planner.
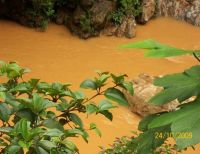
(88, 18)
(186, 10)
(127, 28)
(143, 91)
(100, 11)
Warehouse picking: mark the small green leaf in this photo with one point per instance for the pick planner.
(75, 119)
(116, 96)
(14, 149)
(27, 114)
(53, 124)
(2, 96)
(93, 126)
(103, 78)
(118, 79)
(107, 114)
(47, 145)
(4, 112)
(129, 87)
(70, 145)
(77, 131)
(79, 95)
(91, 108)
(53, 133)
(5, 129)
(89, 84)
(105, 105)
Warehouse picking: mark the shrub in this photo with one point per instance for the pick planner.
(39, 118)
(125, 7)
(117, 17)
(86, 24)
(130, 6)
(39, 13)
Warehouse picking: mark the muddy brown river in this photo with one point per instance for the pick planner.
(56, 55)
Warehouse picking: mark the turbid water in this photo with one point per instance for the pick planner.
(56, 55)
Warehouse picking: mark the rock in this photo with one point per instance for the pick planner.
(130, 31)
(3, 9)
(77, 15)
(87, 3)
(61, 17)
(99, 12)
(144, 90)
(109, 30)
(148, 11)
(127, 28)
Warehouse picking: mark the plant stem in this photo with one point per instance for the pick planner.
(195, 55)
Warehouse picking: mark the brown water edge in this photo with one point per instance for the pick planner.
(56, 55)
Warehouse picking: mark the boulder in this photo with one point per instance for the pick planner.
(143, 91)
(127, 27)
(99, 12)
(148, 11)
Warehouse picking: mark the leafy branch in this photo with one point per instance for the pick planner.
(34, 113)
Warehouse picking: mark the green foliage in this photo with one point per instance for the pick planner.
(39, 13)
(86, 24)
(40, 117)
(125, 7)
(130, 6)
(181, 124)
(117, 16)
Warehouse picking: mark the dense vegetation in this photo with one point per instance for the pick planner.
(181, 124)
(39, 118)
(124, 8)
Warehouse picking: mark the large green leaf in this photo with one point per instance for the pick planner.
(179, 86)
(27, 114)
(158, 50)
(116, 96)
(147, 142)
(22, 127)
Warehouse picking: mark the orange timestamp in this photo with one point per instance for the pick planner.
(182, 135)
